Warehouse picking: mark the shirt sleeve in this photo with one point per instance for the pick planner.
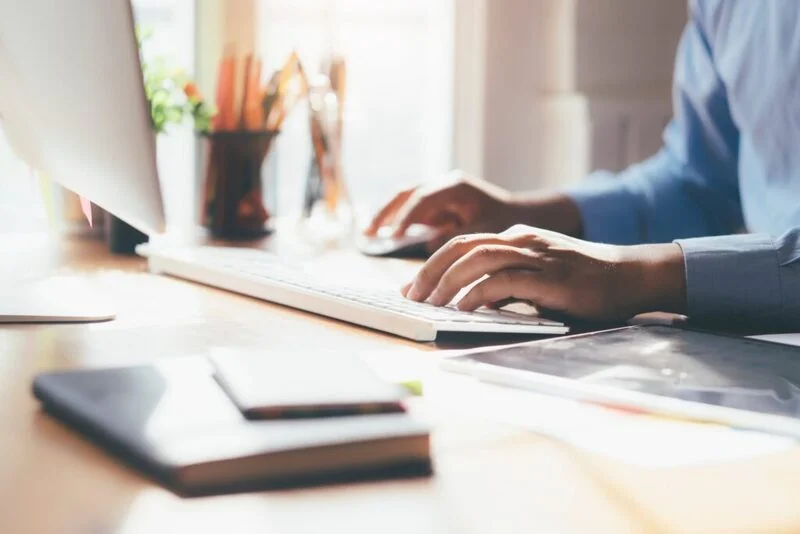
(753, 278)
(690, 188)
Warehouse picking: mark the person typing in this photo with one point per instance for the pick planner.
(708, 227)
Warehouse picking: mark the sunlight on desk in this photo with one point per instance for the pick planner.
(502, 465)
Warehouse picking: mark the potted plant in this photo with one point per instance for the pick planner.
(173, 98)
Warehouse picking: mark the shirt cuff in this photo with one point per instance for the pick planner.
(608, 210)
(735, 276)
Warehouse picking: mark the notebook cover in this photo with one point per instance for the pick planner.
(165, 417)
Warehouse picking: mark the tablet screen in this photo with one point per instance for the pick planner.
(725, 371)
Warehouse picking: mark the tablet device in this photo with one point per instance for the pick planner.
(664, 370)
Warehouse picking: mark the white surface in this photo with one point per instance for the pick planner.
(52, 300)
(645, 440)
(634, 439)
(73, 105)
(786, 339)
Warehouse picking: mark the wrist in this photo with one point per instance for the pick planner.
(659, 278)
(547, 210)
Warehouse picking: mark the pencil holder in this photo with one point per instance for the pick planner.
(233, 200)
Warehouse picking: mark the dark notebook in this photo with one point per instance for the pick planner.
(173, 421)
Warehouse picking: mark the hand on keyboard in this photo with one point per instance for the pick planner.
(268, 277)
(556, 272)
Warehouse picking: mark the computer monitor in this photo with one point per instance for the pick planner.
(72, 104)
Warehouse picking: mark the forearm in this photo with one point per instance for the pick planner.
(657, 201)
(546, 209)
(740, 279)
(657, 278)
(653, 202)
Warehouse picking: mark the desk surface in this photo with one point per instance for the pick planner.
(489, 477)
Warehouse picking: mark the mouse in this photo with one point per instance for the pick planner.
(411, 245)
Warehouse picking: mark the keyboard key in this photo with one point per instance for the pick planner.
(272, 269)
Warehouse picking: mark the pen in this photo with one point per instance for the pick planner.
(246, 74)
(225, 119)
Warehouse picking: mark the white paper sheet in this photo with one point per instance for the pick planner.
(786, 339)
(634, 439)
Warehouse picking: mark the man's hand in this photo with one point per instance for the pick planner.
(554, 272)
(454, 205)
(460, 204)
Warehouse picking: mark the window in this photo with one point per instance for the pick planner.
(400, 95)
(398, 128)
(173, 37)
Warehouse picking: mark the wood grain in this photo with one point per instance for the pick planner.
(489, 477)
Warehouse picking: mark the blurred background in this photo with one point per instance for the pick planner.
(528, 93)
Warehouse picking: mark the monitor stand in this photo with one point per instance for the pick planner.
(52, 300)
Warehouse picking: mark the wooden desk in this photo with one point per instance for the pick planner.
(489, 477)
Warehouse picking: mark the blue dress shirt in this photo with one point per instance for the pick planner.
(726, 184)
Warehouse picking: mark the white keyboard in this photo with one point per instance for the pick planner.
(268, 277)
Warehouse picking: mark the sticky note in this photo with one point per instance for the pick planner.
(413, 386)
(86, 207)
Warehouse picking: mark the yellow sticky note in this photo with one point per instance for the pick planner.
(413, 386)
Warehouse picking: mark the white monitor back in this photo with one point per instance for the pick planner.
(72, 102)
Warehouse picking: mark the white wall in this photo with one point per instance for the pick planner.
(574, 85)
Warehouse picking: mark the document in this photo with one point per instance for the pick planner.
(643, 440)
(786, 339)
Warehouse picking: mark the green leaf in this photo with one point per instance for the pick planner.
(163, 87)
